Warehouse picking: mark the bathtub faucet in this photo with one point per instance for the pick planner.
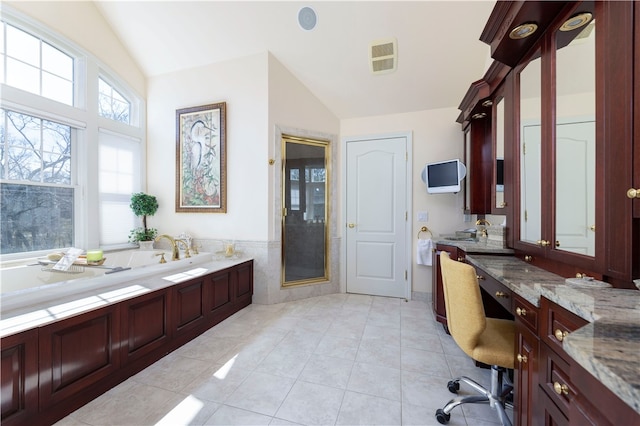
(175, 253)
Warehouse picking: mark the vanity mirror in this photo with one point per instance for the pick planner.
(498, 149)
(529, 84)
(575, 136)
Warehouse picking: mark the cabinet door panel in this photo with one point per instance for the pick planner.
(245, 280)
(76, 353)
(525, 374)
(19, 377)
(189, 303)
(144, 322)
(220, 291)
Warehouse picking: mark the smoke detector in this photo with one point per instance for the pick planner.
(383, 56)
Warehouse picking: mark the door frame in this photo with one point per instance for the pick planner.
(409, 205)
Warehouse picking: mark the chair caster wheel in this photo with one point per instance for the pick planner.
(453, 386)
(442, 417)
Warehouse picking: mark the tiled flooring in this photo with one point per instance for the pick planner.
(339, 359)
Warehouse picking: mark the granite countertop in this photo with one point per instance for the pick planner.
(476, 246)
(613, 315)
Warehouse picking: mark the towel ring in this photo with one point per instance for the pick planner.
(424, 229)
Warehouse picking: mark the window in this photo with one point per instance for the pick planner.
(36, 66)
(37, 196)
(111, 104)
(66, 178)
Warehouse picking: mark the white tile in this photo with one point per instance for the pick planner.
(360, 409)
(376, 380)
(311, 404)
(338, 347)
(329, 371)
(424, 362)
(284, 362)
(227, 415)
(379, 353)
(261, 393)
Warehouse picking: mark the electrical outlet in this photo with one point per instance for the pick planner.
(423, 216)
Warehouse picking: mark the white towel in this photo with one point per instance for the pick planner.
(424, 252)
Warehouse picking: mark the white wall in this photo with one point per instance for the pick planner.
(242, 84)
(81, 23)
(436, 136)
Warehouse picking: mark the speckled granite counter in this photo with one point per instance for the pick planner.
(614, 317)
(486, 247)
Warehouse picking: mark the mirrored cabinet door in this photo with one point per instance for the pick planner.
(530, 153)
(575, 135)
(499, 203)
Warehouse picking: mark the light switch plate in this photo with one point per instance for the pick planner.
(423, 216)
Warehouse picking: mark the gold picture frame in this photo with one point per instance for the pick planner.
(201, 177)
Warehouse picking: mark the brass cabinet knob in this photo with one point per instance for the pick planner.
(522, 358)
(502, 294)
(528, 258)
(543, 243)
(351, 225)
(560, 335)
(503, 205)
(557, 243)
(633, 193)
(560, 388)
(522, 312)
(480, 277)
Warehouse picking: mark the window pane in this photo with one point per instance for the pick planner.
(56, 88)
(35, 218)
(23, 76)
(57, 62)
(111, 104)
(23, 46)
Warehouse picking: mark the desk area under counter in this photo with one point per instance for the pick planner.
(578, 349)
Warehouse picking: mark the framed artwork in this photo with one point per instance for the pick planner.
(201, 178)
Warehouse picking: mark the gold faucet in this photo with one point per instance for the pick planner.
(175, 253)
(186, 247)
(485, 222)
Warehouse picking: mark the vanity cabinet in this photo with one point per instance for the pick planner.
(437, 291)
(526, 366)
(52, 370)
(570, 143)
(556, 386)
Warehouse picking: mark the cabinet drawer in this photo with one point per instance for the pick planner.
(526, 313)
(495, 289)
(555, 378)
(556, 324)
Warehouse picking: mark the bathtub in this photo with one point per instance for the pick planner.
(27, 284)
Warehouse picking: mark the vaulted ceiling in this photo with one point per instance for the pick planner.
(438, 47)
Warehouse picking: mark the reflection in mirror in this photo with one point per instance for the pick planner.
(575, 141)
(530, 152)
(499, 153)
(305, 183)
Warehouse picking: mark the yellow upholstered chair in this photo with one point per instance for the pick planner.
(487, 340)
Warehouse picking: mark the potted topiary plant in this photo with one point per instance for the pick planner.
(143, 205)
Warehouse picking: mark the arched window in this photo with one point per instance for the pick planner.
(65, 177)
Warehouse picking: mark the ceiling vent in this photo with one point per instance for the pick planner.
(383, 56)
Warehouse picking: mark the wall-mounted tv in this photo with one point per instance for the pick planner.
(444, 176)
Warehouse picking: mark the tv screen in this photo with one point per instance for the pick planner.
(444, 176)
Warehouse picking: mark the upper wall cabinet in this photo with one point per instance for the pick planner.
(567, 104)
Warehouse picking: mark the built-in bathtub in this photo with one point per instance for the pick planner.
(28, 286)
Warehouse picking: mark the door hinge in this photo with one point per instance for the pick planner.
(406, 216)
(406, 275)
(526, 215)
(284, 211)
(524, 149)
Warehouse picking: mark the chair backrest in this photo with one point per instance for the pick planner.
(465, 312)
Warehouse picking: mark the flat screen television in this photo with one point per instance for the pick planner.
(444, 176)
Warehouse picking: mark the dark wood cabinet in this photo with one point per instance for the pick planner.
(48, 372)
(526, 367)
(437, 294)
(19, 377)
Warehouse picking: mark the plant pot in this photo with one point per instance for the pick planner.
(145, 245)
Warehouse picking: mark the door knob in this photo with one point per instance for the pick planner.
(543, 243)
(351, 225)
(633, 193)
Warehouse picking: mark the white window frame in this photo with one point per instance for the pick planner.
(85, 121)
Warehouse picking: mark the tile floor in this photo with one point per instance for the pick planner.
(332, 360)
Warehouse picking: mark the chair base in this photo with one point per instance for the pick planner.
(496, 397)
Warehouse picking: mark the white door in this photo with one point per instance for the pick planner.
(376, 217)
(575, 180)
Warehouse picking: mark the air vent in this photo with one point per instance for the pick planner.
(383, 56)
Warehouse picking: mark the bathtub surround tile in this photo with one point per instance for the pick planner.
(339, 359)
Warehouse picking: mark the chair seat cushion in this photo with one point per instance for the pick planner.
(496, 344)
